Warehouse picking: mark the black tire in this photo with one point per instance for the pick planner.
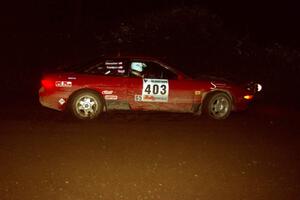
(218, 105)
(86, 105)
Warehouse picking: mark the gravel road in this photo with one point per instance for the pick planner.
(252, 155)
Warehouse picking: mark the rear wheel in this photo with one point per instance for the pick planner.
(86, 105)
(218, 105)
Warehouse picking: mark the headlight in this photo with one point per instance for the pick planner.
(254, 87)
(258, 87)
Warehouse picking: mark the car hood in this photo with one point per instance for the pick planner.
(211, 78)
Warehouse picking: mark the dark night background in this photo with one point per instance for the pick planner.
(250, 40)
(252, 155)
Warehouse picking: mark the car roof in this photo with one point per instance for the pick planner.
(135, 56)
(144, 57)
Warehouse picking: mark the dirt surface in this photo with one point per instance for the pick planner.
(252, 155)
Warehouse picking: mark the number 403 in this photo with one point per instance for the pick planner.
(156, 89)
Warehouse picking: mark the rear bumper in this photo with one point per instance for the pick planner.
(56, 100)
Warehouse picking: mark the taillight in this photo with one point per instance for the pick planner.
(47, 84)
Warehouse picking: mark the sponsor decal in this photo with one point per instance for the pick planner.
(114, 67)
(111, 97)
(149, 98)
(63, 83)
(121, 71)
(216, 85)
(155, 90)
(113, 63)
(61, 101)
(107, 92)
(72, 78)
(137, 97)
(213, 86)
(197, 92)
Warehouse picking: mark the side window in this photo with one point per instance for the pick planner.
(137, 69)
(169, 75)
(109, 68)
(150, 70)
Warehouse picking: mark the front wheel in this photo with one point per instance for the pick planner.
(86, 105)
(218, 106)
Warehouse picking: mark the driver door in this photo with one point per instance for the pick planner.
(151, 86)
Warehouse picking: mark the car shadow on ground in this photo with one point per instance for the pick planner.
(261, 110)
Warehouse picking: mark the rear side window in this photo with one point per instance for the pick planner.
(109, 68)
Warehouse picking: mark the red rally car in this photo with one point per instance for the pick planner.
(140, 83)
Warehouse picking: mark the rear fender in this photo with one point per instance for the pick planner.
(90, 90)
